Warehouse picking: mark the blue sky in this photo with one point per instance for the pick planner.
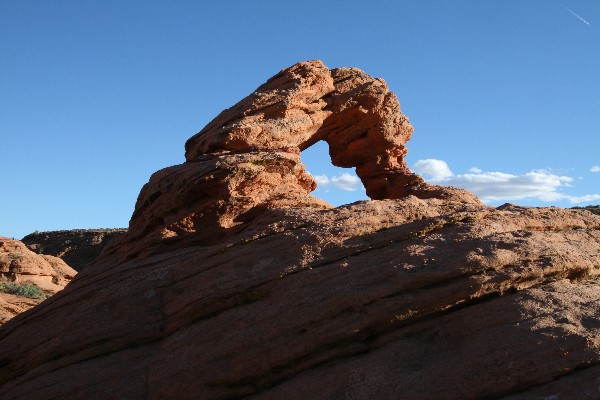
(97, 95)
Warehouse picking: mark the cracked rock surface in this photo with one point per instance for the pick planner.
(234, 282)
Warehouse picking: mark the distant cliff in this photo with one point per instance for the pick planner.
(77, 247)
(593, 209)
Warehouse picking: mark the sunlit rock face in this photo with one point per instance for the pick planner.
(26, 278)
(234, 282)
(286, 111)
(353, 112)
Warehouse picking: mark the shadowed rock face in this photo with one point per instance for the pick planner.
(234, 282)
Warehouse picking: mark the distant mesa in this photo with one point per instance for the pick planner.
(77, 247)
(591, 208)
(232, 281)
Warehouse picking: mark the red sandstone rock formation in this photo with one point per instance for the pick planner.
(233, 282)
(77, 247)
(12, 305)
(20, 266)
(286, 111)
(247, 160)
(355, 113)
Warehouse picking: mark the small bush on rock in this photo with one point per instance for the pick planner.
(27, 290)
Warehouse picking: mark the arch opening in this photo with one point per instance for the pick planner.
(335, 185)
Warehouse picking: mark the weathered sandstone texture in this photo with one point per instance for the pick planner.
(234, 282)
(247, 160)
(77, 247)
(12, 305)
(19, 265)
(353, 112)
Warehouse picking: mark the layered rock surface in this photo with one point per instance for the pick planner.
(77, 247)
(234, 282)
(20, 266)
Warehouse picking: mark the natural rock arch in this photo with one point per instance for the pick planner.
(247, 160)
(354, 113)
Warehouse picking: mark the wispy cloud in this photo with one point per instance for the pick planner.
(576, 15)
(345, 181)
(498, 186)
(595, 168)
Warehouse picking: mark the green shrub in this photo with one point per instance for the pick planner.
(27, 290)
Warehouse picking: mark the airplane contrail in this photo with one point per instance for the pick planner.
(573, 12)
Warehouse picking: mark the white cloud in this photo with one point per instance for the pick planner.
(437, 169)
(582, 199)
(595, 168)
(489, 186)
(494, 186)
(322, 180)
(346, 181)
(498, 186)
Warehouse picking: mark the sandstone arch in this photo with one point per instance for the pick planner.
(247, 160)
(353, 112)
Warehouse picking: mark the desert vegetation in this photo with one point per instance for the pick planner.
(25, 290)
